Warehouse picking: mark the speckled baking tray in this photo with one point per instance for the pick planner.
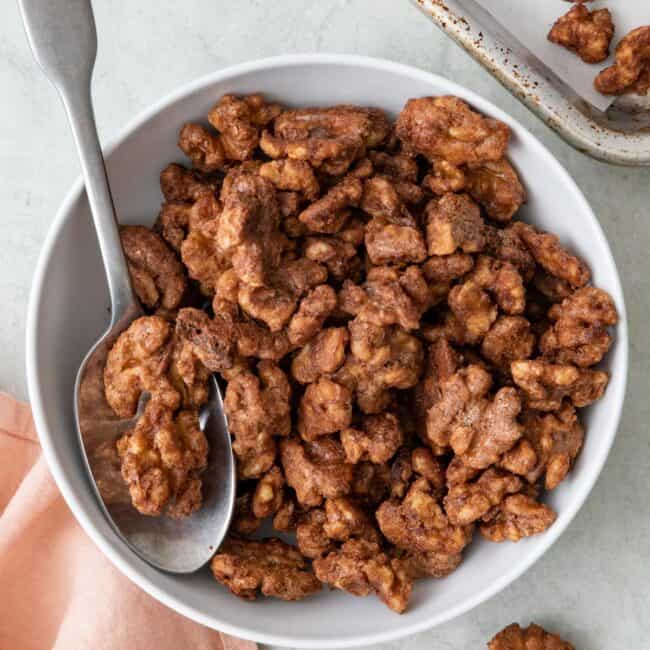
(619, 135)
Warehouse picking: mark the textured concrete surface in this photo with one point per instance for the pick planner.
(593, 586)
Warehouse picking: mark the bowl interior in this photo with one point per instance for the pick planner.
(69, 311)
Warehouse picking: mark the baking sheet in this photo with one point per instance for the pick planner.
(531, 20)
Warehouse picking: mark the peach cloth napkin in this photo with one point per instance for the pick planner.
(57, 589)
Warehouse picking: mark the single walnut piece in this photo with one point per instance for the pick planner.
(556, 439)
(509, 339)
(325, 407)
(178, 183)
(239, 120)
(445, 178)
(546, 385)
(506, 244)
(555, 259)
(316, 470)
(393, 235)
(473, 309)
(173, 222)
(294, 175)
(418, 523)
(378, 440)
(286, 518)
(517, 517)
(188, 374)
(477, 428)
(323, 355)
(587, 33)
(503, 281)
(311, 538)
(434, 565)
(158, 277)
(138, 362)
(329, 213)
(313, 311)
(371, 483)
(532, 637)
(258, 410)
(454, 223)
(162, 459)
(466, 503)
(579, 334)
(446, 127)
(268, 495)
(339, 256)
(496, 186)
(360, 567)
(328, 138)
(270, 566)
(203, 148)
(552, 288)
(631, 68)
(345, 518)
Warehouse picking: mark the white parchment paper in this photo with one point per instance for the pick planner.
(531, 20)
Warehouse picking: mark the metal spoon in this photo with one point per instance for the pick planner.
(64, 41)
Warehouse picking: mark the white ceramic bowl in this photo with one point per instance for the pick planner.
(68, 311)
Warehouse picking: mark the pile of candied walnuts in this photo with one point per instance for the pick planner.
(589, 34)
(403, 361)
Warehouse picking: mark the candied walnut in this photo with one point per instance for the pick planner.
(294, 175)
(268, 495)
(247, 226)
(138, 362)
(329, 213)
(270, 305)
(173, 222)
(556, 439)
(509, 339)
(328, 138)
(477, 428)
(445, 178)
(371, 482)
(434, 565)
(157, 275)
(244, 522)
(181, 184)
(211, 340)
(555, 259)
(324, 354)
(425, 464)
(258, 409)
(382, 358)
(441, 270)
(361, 568)
(546, 384)
(269, 565)
(506, 245)
(454, 223)
(473, 309)
(311, 538)
(445, 127)
(162, 458)
(517, 517)
(338, 255)
(579, 334)
(313, 311)
(496, 186)
(552, 288)
(188, 374)
(298, 276)
(378, 440)
(204, 260)
(346, 519)
(402, 171)
(388, 297)
(393, 235)
(238, 120)
(316, 469)
(503, 281)
(457, 472)
(533, 637)
(587, 33)
(466, 503)
(630, 70)
(418, 523)
(286, 518)
(325, 407)
(254, 340)
(203, 148)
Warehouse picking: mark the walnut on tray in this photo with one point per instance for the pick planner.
(587, 33)
(404, 360)
(533, 637)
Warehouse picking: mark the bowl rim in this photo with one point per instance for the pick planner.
(45, 434)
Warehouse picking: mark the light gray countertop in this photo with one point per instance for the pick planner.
(593, 585)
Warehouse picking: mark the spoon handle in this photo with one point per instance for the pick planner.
(63, 39)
